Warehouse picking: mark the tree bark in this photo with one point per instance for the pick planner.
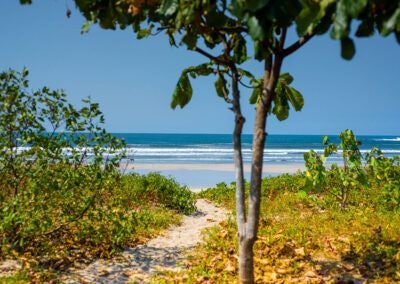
(246, 264)
(237, 146)
(245, 248)
(250, 230)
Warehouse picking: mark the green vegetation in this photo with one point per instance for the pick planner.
(337, 225)
(222, 31)
(303, 238)
(350, 177)
(62, 196)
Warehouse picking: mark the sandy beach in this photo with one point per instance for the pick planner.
(268, 168)
(203, 175)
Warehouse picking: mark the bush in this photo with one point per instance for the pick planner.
(168, 192)
(385, 172)
(62, 196)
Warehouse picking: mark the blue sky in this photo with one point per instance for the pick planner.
(133, 80)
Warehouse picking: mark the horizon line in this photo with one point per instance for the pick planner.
(214, 133)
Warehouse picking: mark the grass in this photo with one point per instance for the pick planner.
(302, 238)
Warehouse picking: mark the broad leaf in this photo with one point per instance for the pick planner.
(393, 23)
(295, 98)
(183, 92)
(239, 50)
(281, 111)
(255, 29)
(255, 95)
(354, 7)
(190, 39)
(348, 48)
(199, 70)
(281, 105)
(307, 17)
(286, 78)
(366, 28)
(245, 73)
(220, 86)
(340, 24)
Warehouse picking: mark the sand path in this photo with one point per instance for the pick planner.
(136, 265)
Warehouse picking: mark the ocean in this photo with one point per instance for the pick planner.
(217, 148)
(197, 150)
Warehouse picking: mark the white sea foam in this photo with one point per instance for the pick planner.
(397, 139)
(200, 155)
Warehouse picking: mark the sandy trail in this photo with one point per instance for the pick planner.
(162, 253)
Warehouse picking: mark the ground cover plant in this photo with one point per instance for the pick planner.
(305, 233)
(63, 198)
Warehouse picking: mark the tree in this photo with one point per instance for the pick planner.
(221, 31)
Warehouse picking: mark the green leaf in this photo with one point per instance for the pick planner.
(281, 111)
(245, 73)
(255, 95)
(255, 29)
(348, 48)
(366, 28)
(281, 105)
(86, 27)
(168, 7)
(340, 24)
(354, 7)
(295, 98)
(171, 40)
(286, 78)
(220, 86)
(183, 92)
(199, 70)
(260, 53)
(302, 194)
(239, 50)
(25, 72)
(143, 33)
(393, 23)
(307, 17)
(190, 39)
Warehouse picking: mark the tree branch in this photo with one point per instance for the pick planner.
(295, 46)
(282, 40)
(206, 54)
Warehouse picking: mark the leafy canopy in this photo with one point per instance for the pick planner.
(231, 26)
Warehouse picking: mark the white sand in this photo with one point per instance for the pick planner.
(268, 168)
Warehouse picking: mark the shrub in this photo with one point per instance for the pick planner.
(55, 160)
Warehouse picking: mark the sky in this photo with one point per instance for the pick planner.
(133, 80)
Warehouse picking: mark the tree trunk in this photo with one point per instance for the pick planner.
(237, 146)
(246, 266)
(248, 235)
(238, 157)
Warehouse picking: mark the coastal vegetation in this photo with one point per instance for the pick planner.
(221, 32)
(63, 197)
(306, 235)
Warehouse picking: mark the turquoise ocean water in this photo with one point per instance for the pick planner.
(217, 149)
